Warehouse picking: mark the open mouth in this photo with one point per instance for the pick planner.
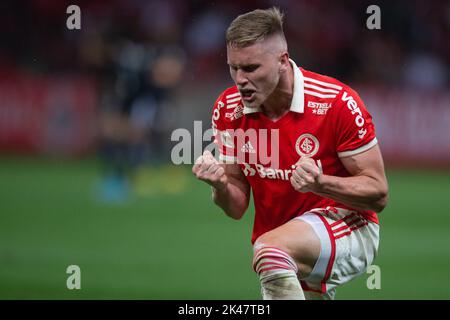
(247, 94)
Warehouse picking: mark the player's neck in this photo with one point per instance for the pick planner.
(279, 102)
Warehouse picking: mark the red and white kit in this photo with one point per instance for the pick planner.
(327, 120)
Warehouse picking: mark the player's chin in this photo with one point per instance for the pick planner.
(252, 103)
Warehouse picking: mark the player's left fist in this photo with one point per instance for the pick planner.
(306, 176)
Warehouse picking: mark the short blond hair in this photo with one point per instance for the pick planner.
(255, 26)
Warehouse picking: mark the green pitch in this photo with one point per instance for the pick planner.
(171, 242)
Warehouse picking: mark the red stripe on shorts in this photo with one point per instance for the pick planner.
(356, 227)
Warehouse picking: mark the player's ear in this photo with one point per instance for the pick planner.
(284, 62)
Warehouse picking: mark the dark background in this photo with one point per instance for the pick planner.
(86, 118)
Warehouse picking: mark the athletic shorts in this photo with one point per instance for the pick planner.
(349, 244)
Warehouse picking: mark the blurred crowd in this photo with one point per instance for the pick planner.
(412, 47)
(141, 53)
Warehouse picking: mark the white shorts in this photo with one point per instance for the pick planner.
(349, 244)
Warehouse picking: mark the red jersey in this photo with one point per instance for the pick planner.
(327, 120)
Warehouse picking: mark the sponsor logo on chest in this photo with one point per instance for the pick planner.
(236, 114)
(319, 108)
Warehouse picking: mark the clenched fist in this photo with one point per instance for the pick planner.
(208, 169)
(305, 177)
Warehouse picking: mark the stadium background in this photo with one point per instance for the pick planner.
(86, 118)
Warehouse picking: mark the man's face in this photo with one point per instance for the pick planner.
(256, 71)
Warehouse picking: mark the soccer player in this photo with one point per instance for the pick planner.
(316, 200)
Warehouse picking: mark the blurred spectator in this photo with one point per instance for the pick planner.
(130, 135)
(324, 35)
(425, 71)
(138, 57)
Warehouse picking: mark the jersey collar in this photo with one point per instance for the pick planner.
(297, 104)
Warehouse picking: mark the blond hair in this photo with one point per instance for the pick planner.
(255, 26)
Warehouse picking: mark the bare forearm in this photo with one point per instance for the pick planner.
(232, 200)
(230, 189)
(359, 192)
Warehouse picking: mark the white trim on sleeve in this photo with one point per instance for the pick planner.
(365, 147)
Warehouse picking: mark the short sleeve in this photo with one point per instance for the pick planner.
(222, 131)
(355, 131)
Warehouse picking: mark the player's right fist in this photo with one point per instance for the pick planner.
(208, 169)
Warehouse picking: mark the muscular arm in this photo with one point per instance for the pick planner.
(234, 197)
(230, 189)
(365, 189)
